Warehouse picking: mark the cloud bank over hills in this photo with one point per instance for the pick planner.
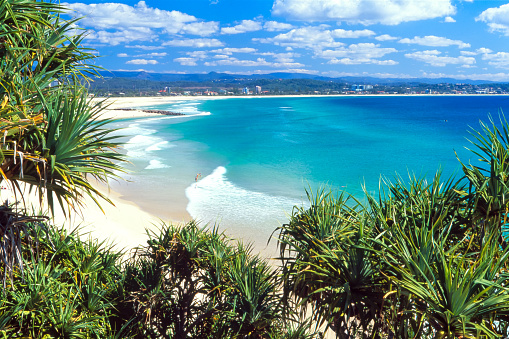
(398, 39)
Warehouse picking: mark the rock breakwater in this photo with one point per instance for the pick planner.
(155, 111)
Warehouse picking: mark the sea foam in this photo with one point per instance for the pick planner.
(158, 146)
(142, 145)
(216, 199)
(156, 164)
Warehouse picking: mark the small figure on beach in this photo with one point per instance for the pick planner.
(196, 178)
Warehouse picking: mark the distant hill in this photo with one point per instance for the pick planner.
(214, 76)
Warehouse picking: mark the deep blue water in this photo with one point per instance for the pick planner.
(257, 156)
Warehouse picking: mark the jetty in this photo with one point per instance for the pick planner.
(155, 111)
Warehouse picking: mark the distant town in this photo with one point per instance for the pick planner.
(131, 86)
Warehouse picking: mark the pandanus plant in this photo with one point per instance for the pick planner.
(50, 136)
(191, 282)
(425, 259)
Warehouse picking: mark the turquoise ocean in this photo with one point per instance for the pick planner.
(257, 156)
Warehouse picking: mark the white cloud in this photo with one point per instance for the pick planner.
(363, 53)
(286, 59)
(281, 57)
(122, 36)
(385, 37)
(197, 54)
(376, 75)
(273, 26)
(350, 61)
(122, 55)
(498, 60)
(118, 23)
(200, 28)
(304, 37)
(341, 33)
(231, 61)
(231, 50)
(118, 15)
(449, 19)
(486, 76)
(323, 43)
(152, 55)
(264, 71)
(367, 12)
(186, 61)
(243, 27)
(497, 18)
(433, 58)
(200, 43)
(144, 47)
(142, 62)
(315, 37)
(169, 71)
(468, 53)
(484, 50)
(434, 41)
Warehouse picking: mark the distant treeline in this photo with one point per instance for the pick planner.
(129, 85)
(134, 86)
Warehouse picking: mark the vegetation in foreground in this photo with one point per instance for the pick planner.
(185, 283)
(420, 260)
(423, 259)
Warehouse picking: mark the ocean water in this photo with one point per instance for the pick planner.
(255, 157)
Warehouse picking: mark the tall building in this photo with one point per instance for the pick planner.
(258, 90)
(359, 88)
(245, 90)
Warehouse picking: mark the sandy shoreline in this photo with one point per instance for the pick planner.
(122, 225)
(127, 220)
(125, 223)
(116, 104)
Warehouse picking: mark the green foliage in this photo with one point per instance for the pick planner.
(52, 139)
(190, 283)
(64, 294)
(423, 260)
(187, 282)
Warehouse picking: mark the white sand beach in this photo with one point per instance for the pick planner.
(115, 105)
(124, 223)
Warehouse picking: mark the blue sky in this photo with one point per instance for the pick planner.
(381, 38)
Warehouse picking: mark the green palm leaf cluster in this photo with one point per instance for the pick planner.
(193, 283)
(51, 137)
(187, 282)
(423, 259)
(66, 293)
(50, 133)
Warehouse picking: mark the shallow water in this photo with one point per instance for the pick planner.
(256, 156)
